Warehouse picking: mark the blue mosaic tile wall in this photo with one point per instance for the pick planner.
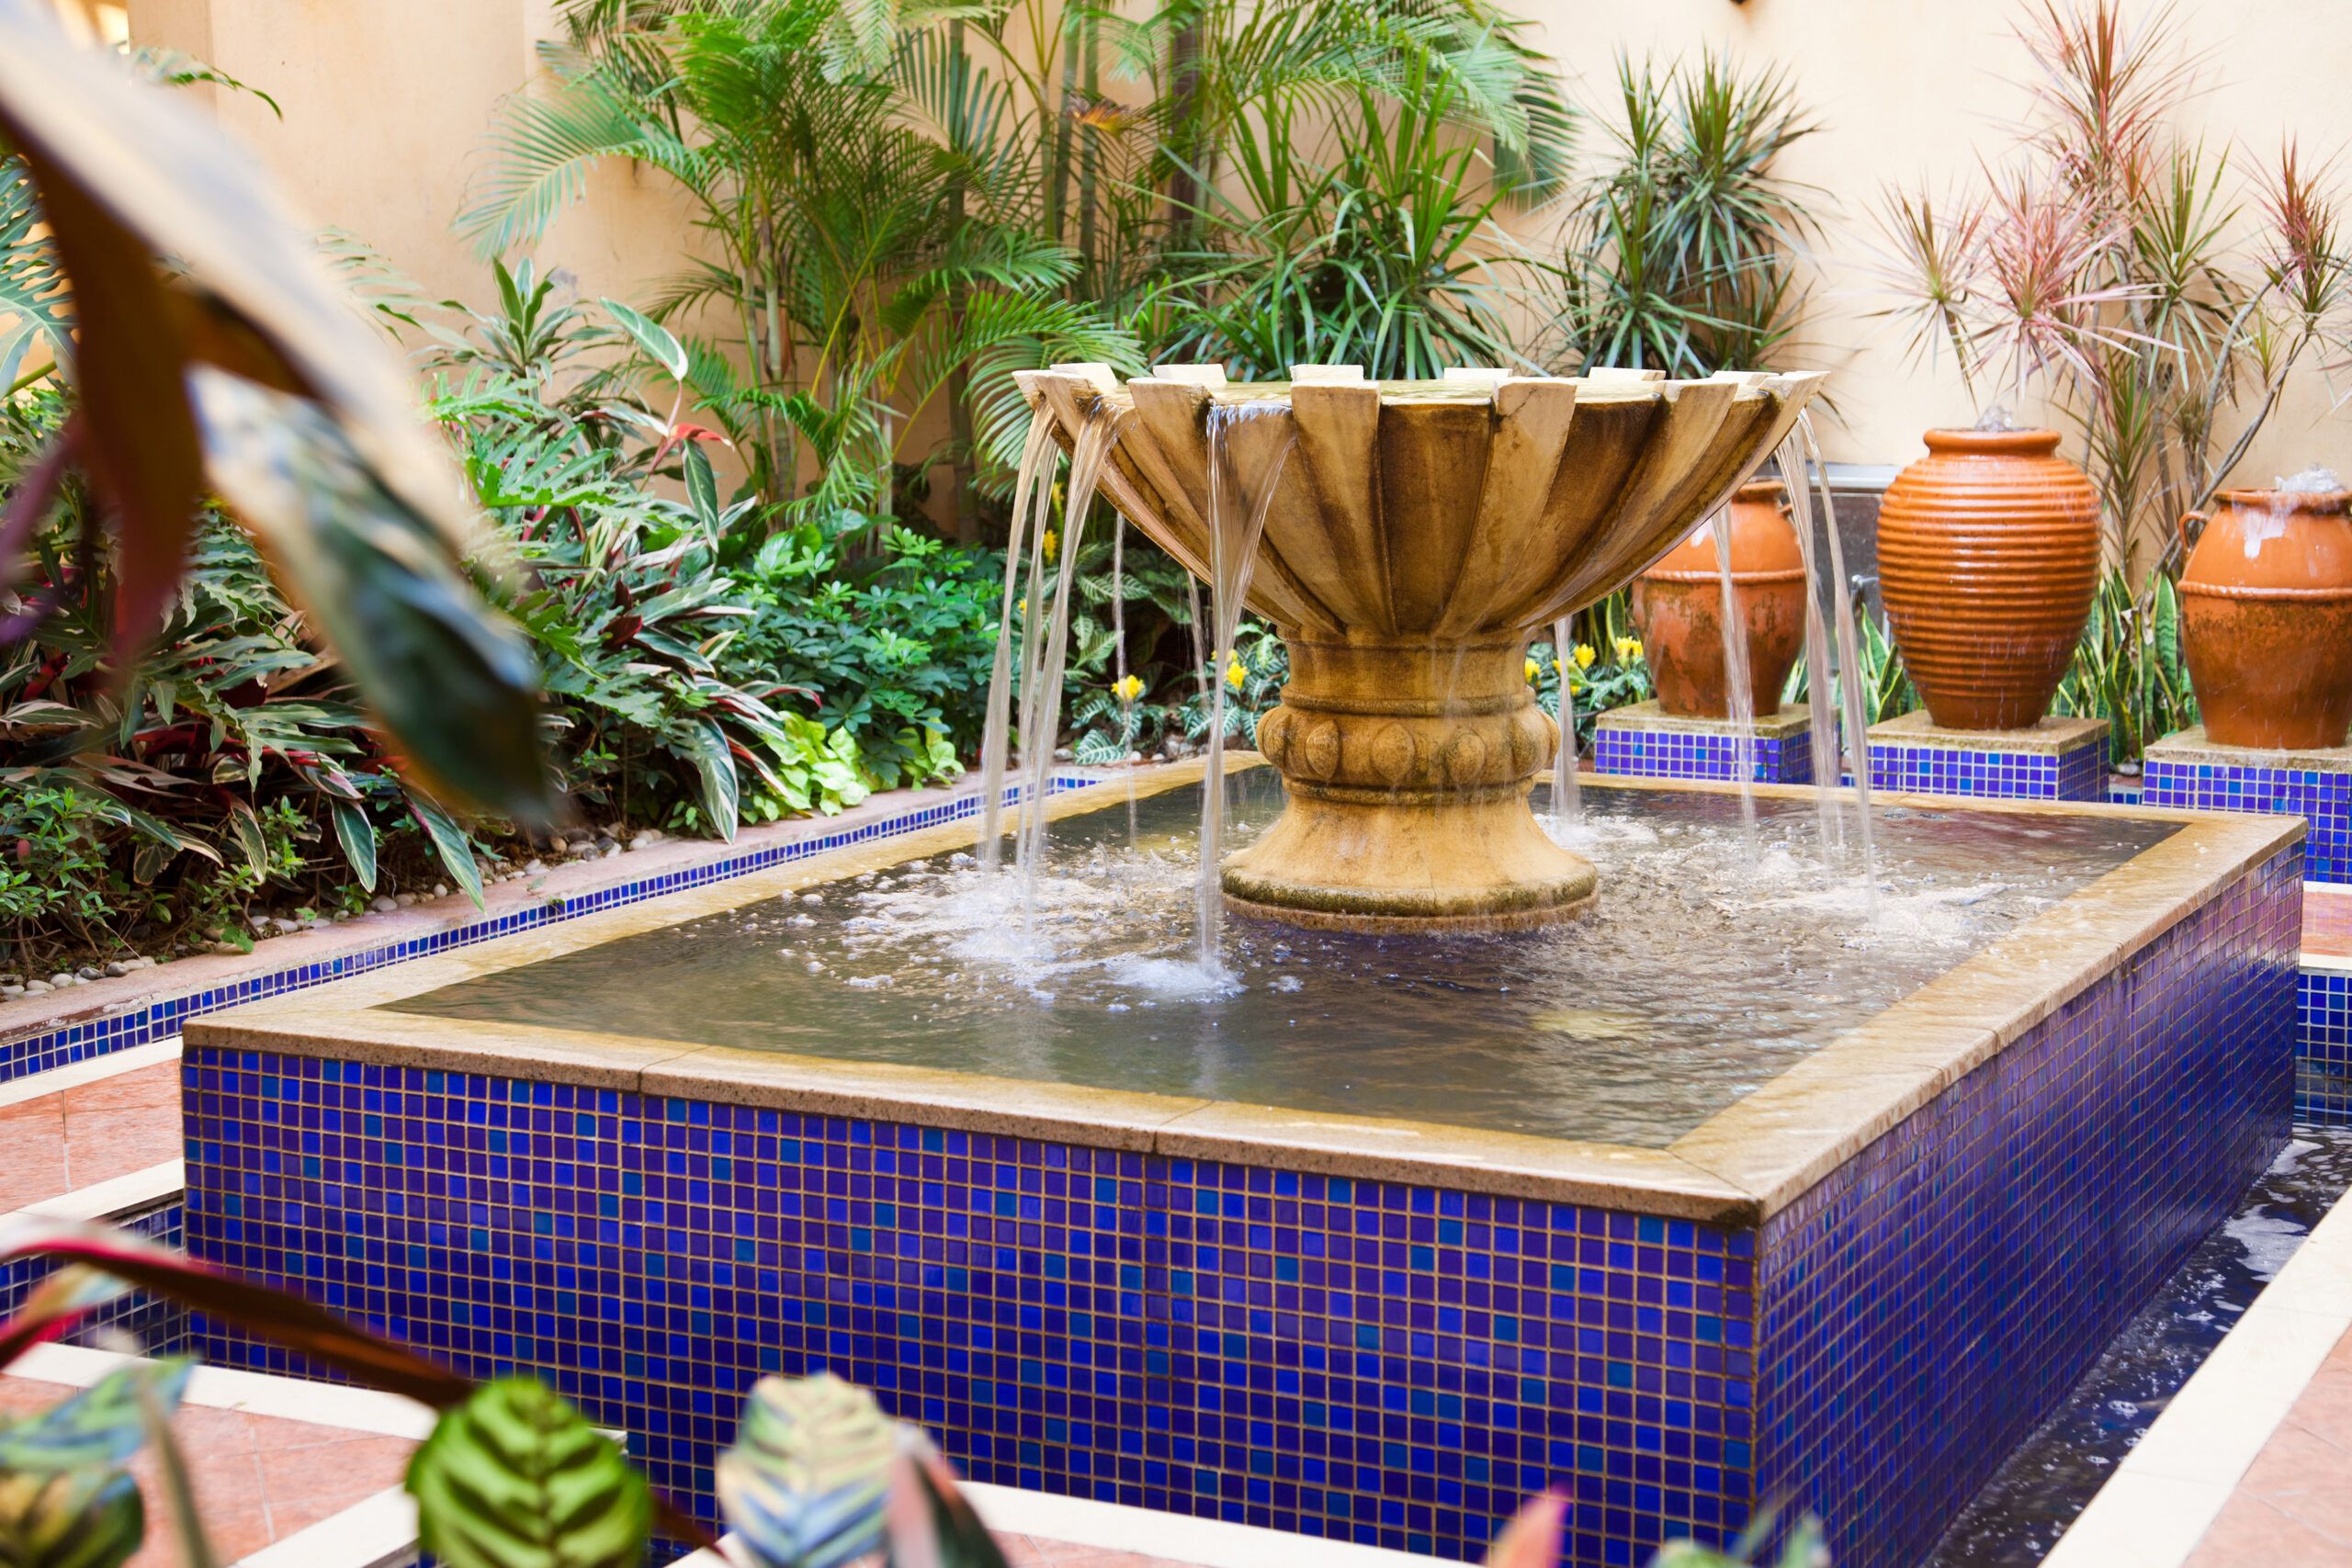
(53, 1046)
(1385, 1363)
(2078, 775)
(2324, 1003)
(2325, 797)
(1921, 1306)
(1690, 754)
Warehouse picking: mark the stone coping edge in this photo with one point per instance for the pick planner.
(2054, 735)
(1746, 1162)
(1651, 718)
(2188, 749)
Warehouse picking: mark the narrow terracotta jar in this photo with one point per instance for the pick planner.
(2265, 619)
(1987, 559)
(1678, 608)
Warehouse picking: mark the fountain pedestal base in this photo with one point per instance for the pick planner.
(1409, 772)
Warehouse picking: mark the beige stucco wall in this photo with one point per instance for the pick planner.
(385, 106)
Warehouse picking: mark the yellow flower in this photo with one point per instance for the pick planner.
(1532, 669)
(1127, 689)
(1584, 656)
(1052, 543)
(1628, 649)
(1022, 607)
(1236, 674)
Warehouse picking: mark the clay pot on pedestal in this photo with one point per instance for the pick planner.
(1678, 608)
(1988, 558)
(2265, 619)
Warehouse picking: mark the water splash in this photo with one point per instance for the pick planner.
(2316, 479)
(1236, 522)
(2290, 490)
(1738, 681)
(1568, 800)
(1997, 421)
(1032, 493)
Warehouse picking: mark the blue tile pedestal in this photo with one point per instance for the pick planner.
(1647, 742)
(2187, 770)
(1391, 1361)
(2058, 759)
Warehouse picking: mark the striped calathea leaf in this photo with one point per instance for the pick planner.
(66, 1500)
(516, 1478)
(806, 1484)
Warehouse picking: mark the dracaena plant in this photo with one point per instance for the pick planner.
(513, 1475)
(1682, 255)
(2158, 293)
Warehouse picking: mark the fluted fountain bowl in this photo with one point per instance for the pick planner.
(1418, 533)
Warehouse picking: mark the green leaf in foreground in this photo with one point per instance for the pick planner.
(805, 1483)
(450, 841)
(516, 1478)
(86, 1519)
(97, 1428)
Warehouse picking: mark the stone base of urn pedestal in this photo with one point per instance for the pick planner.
(1408, 771)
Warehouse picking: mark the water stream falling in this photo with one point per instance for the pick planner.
(1849, 659)
(1738, 682)
(1568, 800)
(1119, 657)
(1041, 710)
(1032, 491)
(1820, 692)
(1236, 522)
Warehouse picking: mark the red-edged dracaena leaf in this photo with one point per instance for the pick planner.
(138, 436)
(930, 1522)
(1532, 1540)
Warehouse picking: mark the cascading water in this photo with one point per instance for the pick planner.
(1237, 521)
(1738, 688)
(1849, 660)
(1032, 493)
(1042, 698)
(1567, 801)
(1820, 690)
(1126, 699)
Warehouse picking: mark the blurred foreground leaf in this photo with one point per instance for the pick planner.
(805, 1483)
(514, 1477)
(309, 426)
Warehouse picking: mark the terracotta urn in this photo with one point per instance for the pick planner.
(2265, 619)
(1988, 558)
(1678, 608)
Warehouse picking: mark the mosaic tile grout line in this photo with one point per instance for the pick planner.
(54, 1046)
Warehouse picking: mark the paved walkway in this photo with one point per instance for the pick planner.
(2293, 1508)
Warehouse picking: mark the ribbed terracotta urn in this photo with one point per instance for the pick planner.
(1988, 557)
(1678, 608)
(1416, 535)
(2265, 619)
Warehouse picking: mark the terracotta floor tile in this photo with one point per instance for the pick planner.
(157, 1085)
(2250, 1533)
(2324, 1409)
(2327, 922)
(103, 1145)
(348, 1469)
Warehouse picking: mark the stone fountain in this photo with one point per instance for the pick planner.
(1416, 535)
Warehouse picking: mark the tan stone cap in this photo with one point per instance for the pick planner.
(2190, 747)
(1742, 1165)
(1651, 718)
(2054, 734)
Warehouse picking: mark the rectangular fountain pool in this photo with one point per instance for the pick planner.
(1730, 1191)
